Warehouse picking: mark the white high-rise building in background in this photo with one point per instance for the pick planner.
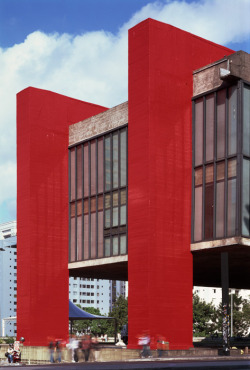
(95, 293)
(8, 276)
(214, 295)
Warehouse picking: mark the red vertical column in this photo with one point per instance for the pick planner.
(161, 61)
(43, 119)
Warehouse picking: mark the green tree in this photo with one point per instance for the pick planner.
(203, 317)
(241, 315)
(120, 312)
(96, 327)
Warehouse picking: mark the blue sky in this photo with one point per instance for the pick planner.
(79, 48)
(18, 18)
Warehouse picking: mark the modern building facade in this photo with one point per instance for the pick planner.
(118, 187)
(8, 278)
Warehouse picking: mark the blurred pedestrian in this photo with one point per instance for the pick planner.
(10, 353)
(144, 341)
(58, 349)
(51, 347)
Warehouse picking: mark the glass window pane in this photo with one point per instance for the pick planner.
(231, 171)
(79, 207)
(100, 234)
(123, 158)
(115, 199)
(115, 160)
(79, 172)
(107, 218)
(209, 202)
(232, 120)
(220, 193)
(93, 167)
(100, 165)
(198, 175)
(123, 215)
(246, 198)
(231, 207)
(198, 214)
(107, 164)
(209, 173)
(86, 206)
(86, 169)
(72, 239)
(93, 204)
(107, 247)
(115, 217)
(220, 171)
(198, 131)
(107, 201)
(79, 238)
(100, 202)
(115, 246)
(123, 196)
(210, 127)
(72, 174)
(221, 123)
(86, 237)
(246, 120)
(93, 235)
(123, 244)
(72, 209)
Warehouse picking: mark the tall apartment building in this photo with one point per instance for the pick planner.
(8, 278)
(96, 293)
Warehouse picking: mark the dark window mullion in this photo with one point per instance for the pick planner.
(103, 194)
(239, 180)
(215, 167)
(111, 192)
(226, 198)
(203, 174)
(75, 204)
(82, 202)
(119, 190)
(96, 229)
(89, 197)
(193, 170)
(69, 193)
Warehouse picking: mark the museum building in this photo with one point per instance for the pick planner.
(152, 191)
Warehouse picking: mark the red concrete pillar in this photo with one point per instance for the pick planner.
(43, 119)
(161, 61)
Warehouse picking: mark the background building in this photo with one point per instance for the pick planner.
(8, 278)
(97, 293)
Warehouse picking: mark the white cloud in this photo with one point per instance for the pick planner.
(221, 21)
(93, 66)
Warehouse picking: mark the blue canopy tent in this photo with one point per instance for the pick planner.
(76, 313)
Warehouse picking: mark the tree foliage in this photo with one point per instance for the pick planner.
(120, 313)
(95, 327)
(241, 315)
(203, 315)
(207, 319)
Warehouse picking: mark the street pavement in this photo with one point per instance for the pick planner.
(147, 364)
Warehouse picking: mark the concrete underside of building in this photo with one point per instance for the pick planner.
(160, 265)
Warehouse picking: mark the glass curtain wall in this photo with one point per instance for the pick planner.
(215, 138)
(98, 197)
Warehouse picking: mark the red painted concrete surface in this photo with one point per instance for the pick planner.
(43, 119)
(161, 61)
